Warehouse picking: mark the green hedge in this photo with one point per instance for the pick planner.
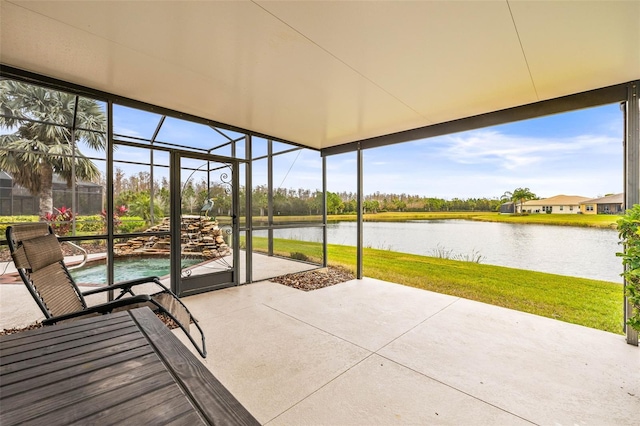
(92, 224)
(131, 224)
(5, 221)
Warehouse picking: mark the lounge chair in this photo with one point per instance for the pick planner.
(37, 256)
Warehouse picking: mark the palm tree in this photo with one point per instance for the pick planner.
(519, 195)
(41, 143)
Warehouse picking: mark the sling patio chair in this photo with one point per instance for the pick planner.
(39, 260)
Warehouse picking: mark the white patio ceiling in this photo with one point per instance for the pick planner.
(326, 73)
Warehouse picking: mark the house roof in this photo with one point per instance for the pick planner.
(320, 73)
(558, 200)
(609, 199)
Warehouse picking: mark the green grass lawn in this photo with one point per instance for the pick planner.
(585, 220)
(592, 303)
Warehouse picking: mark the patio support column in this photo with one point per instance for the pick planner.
(270, 196)
(359, 248)
(175, 221)
(248, 242)
(235, 221)
(324, 212)
(109, 193)
(74, 187)
(632, 175)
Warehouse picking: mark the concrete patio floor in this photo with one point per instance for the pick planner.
(371, 352)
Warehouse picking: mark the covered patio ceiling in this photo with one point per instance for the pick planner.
(322, 74)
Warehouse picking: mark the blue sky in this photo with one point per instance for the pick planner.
(576, 153)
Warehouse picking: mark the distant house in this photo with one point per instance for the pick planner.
(508, 207)
(611, 204)
(560, 204)
(16, 200)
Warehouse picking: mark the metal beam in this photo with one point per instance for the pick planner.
(603, 96)
(632, 175)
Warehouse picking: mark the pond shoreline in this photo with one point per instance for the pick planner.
(587, 221)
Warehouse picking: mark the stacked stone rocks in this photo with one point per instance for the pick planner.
(201, 237)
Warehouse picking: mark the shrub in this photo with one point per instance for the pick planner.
(92, 224)
(629, 231)
(5, 221)
(60, 220)
(131, 224)
(299, 256)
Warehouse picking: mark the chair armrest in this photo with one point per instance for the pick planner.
(126, 285)
(103, 308)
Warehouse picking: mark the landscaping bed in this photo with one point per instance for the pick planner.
(313, 280)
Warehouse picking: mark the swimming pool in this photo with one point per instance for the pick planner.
(127, 268)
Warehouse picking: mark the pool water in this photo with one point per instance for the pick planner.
(126, 269)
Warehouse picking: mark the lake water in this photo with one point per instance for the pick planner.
(564, 250)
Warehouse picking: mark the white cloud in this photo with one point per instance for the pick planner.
(510, 152)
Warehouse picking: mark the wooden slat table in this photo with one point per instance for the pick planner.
(125, 367)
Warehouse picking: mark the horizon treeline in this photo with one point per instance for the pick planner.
(345, 202)
(134, 191)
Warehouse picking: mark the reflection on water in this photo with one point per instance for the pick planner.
(564, 250)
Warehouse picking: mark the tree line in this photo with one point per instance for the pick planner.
(346, 203)
(134, 192)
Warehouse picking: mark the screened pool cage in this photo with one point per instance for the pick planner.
(124, 180)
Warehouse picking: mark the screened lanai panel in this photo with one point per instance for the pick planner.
(224, 150)
(52, 158)
(297, 187)
(134, 124)
(302, 244)
(241, 148)
(141, 190)
(259, 147)
(190, 136)
(74, 210)
(259, 192)
(342, 178)
(289, 256)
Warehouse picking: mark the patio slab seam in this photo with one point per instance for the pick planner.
(321, 387)
(456, 389)
(418, 324)
(376, 352)
(372, 350)
(318, 328)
